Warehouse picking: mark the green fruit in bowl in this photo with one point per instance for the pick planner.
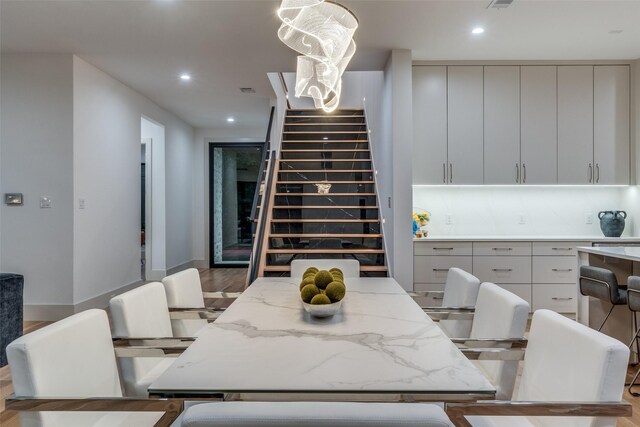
(309, 292)
(337, 278)
(306, 281)
(336, 271)
(313, 270)
(336, 291)
(320, 299)
(323, 278)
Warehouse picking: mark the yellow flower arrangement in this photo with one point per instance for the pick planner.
(421, 217)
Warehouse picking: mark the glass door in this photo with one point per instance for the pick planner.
(234, 173)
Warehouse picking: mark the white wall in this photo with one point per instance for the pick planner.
(399, 67)
(107, 131)
(36, 155)
(203, 136)
(548, 210)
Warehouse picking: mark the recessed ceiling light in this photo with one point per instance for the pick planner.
(185, 77)
(230, 120)
(478, 30)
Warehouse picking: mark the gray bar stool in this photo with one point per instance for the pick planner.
(633, 302)
(602, 284)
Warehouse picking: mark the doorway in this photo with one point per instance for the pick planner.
(233, 179)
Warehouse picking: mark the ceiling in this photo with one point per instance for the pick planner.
(226, 45)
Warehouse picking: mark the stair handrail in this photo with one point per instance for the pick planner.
(263, 166)
(256, 259)
(285, 89)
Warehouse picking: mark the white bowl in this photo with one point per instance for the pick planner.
(322, 310)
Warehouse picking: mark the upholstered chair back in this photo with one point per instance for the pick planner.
(184, 290)
(460, 290)
(314, 414)
(73, 357)
(568, 361)
(499, 314)
(349, 267)
(141, 313)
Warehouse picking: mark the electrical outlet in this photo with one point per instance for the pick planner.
(448, 218)
(81, 203)
(588, 218)
(522, 219)
(45, 202)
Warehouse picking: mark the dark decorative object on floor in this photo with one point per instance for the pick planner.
(612, 222)
(11, 286)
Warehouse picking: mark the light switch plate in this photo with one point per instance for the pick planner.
(13, 199)
(588, 218)
(81, 203)
(45, 202)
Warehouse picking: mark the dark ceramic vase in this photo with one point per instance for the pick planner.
(612, 222)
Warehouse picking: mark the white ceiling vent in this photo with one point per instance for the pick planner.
(247, 90)
(499, 4)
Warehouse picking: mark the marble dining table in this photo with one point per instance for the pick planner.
(379, 345)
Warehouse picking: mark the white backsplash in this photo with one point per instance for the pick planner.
(547, 210)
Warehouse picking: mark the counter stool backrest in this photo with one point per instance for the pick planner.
(599, 283)
(633, 293)
(184, 289)
(461, 289)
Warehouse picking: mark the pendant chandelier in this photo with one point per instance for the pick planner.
(322, 32)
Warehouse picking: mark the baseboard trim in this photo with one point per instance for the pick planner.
(179, 268)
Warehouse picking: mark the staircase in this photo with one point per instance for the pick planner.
(323, 199)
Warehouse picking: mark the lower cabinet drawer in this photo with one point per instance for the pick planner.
(555, 269)
(434, 269)
(503, 269)
(428, 301)
(557, 297)
(522, 290)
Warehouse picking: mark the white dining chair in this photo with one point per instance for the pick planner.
(184, 291)
(141, 313)
(573, 376)
(499, 314)
(314, 414)
(349, 267)
(460, 292)
(66, 364)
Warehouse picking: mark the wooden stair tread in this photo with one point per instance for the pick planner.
(352, 221)
(295, 132)
(318, 110)
(325, 251)
(325, 207)
(323, 182)
(332, 116)
(324, 170)
(325, 124)
(365, 268)
(326, 195)
(320, 235)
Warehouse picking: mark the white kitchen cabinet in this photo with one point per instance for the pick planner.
(503, 269)
(611, 124)
(575, 124)
(502, 125)
(430, 125)
(434, 269)
(557, 297)
(538, 125)
(465, 124)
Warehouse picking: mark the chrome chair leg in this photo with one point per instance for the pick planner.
(606, 318)
(633, 383)
(635, 338)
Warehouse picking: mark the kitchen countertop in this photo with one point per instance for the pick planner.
(489, 238)
(623, 252)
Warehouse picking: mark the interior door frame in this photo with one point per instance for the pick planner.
(212, 146)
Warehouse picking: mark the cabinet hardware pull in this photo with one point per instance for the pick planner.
(442, 249)
(561, 299)
(502, 249)
(501, 269)
(440, 269)
(450, 173)
(524, 173)
(517, 173)
(438, 298)
(590, 176)
(562, 269)
(597, 172)
(561, 249)
(444, 173)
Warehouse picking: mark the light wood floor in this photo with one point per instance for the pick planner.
(233, 279)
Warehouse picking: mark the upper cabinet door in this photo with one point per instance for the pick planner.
(465, 124)
(430, 125)
(611, 124)
(539, 142)
(575, 125)
(502, 125)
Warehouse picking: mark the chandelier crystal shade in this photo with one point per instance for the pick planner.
(322, 32)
